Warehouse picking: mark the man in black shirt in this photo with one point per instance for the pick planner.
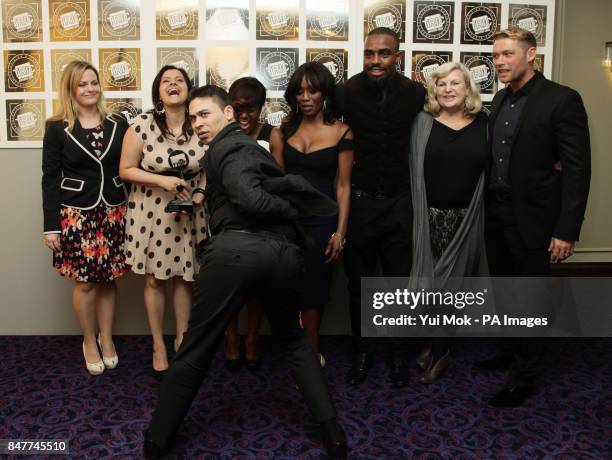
(538, 186)
(251, 255)
(380, 106)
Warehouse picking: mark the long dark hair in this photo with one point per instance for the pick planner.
(318, 77)
(158, 114)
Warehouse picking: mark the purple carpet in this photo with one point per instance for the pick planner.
(46, 393)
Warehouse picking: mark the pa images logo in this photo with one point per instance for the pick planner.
(480, 23)
(434, 22)
(275, 67)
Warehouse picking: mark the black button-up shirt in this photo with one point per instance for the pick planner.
(504, 132)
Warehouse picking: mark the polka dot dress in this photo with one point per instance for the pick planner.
(158, 242)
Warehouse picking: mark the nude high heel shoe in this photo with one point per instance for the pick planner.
(93, 368)
(110, 362)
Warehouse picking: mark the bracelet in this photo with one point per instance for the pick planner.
(198, 190)
(339, 234)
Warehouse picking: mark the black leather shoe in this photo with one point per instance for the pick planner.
(400, 373)
(359, 370)
(511, 396)
(252, 364)
(151, 450)
(334, 439)
(497, 363)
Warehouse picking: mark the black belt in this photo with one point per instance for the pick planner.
(186, 176)
(264, 233)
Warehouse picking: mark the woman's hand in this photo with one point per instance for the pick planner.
(52, 241)
(176, 185)
(198, 196)
(335, 245)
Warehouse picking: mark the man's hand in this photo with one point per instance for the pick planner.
(560, 249)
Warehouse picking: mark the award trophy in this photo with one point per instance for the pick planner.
(178, 162)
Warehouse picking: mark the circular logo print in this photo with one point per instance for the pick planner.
(22, 21)
(426, 65)
(481, 23)
(23, 70)
(69, 20)
(127, 109)
(433, 22)
(277, 68)
(482, 70)
(182, 60)
(120, 68)
(334, 64)
(327, 25)
(386, 16)
(119, 19)
(177, 22)
(274, 112)
(529, 19)
(25, 119)
(277, 23)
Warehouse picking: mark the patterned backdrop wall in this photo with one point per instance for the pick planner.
(218, 41)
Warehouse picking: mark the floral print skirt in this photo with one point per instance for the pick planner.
(92, 244)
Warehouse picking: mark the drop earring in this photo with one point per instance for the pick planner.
(159, 108)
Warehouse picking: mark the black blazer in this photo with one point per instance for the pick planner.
(553, 128)
(73, 176)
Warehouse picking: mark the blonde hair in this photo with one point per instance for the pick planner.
(516, 33)
(473, 104)
(69, 81)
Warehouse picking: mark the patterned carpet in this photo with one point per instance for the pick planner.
(46, 393)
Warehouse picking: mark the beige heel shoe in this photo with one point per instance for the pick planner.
(93, 368)
(110, 362)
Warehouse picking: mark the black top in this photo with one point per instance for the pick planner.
(246, 189)
(265, 132)
(318, 167)
(454, 161)
(381, 117)
(74, 174)
(504, 132)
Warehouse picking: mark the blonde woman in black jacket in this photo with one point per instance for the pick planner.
(84, 206)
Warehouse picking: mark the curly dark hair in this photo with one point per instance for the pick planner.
(160, 118)
(319, 78)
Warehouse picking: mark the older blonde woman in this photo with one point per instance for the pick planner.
(449, 155)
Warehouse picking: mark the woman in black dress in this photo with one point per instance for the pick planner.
(84, 206)
(448, 159)
(248, 97)
(318, 146)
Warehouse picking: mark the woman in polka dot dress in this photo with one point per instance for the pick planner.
(162, 245)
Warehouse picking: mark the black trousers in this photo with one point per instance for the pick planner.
(237, 267)
(378, 230)
(507, 256)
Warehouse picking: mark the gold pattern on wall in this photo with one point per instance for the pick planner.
(128, 107)
(119, 19)
(424, 63)
(61, 58)
(176, 20)
(120, 69)
(69, 20)
(25, 119)
(274, 111)
(336, 61)
(227, 20)
(327, 19)
(184, 58)
(277, 19)
(226, 65)
(24, 71)
(22, 21)
(385, 13)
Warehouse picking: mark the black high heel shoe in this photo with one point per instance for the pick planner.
(234, 364)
